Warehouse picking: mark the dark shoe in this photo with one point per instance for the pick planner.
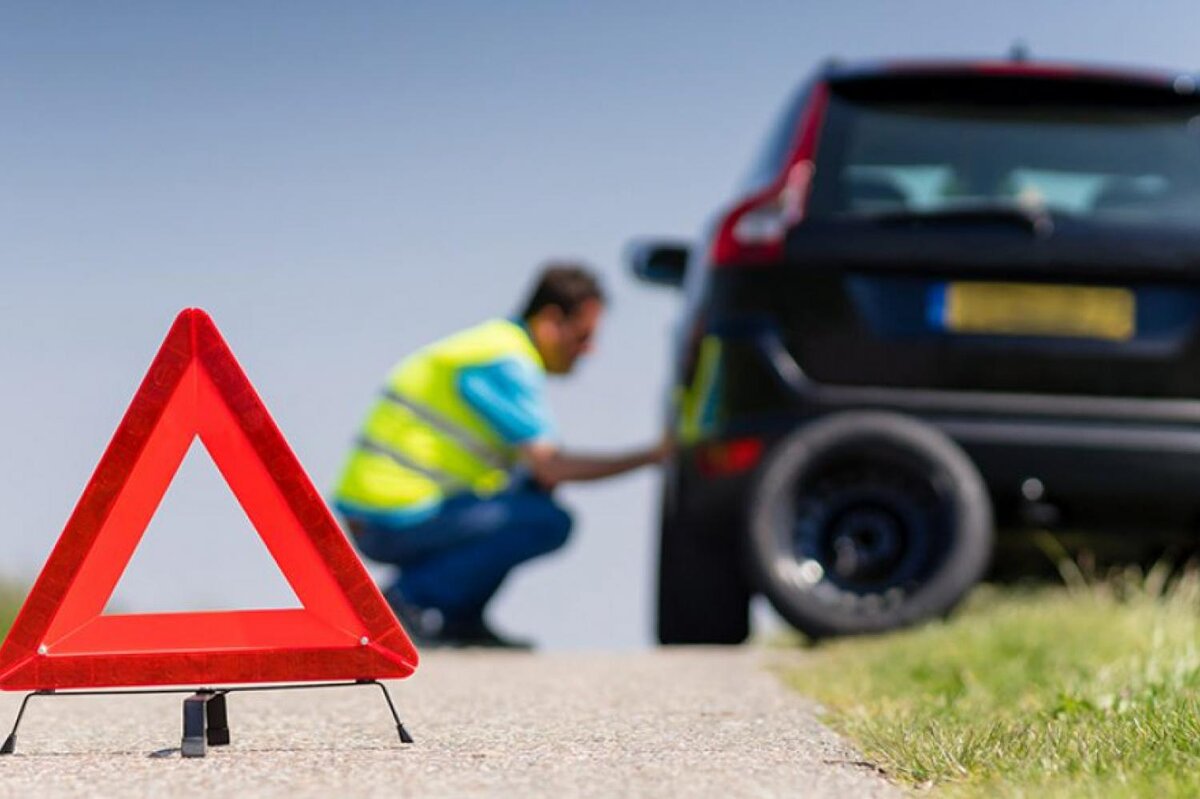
(421, 624)
(427, 628)
(476, 633)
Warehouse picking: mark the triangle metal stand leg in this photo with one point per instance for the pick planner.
(10, 743)
(205, 723)
(405, 738)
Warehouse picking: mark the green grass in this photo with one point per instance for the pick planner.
(1090, 691)
(11, 598)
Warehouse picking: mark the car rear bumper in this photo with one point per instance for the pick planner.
(1121, 464)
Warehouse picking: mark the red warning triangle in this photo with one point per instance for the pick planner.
(345, 629)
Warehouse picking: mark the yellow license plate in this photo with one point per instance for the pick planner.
(1031, 309)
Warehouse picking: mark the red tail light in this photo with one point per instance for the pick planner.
(753, 232)
(724, 458)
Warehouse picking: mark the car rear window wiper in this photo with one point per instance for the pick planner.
(1035, 219)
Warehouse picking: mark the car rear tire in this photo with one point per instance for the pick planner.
(703, 593)
(862, 522)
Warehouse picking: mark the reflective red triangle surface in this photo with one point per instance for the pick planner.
(345, 629)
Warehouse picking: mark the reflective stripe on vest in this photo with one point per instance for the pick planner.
(422, 440)
(446, 482)
(461, 436)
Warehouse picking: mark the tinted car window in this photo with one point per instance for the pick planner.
(1115, 159)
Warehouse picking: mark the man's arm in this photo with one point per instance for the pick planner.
(551, 466)
(510, 395)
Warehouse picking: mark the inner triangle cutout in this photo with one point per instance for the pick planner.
(200, 516)
(344, 629)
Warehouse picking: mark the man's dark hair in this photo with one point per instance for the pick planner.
(566, 285)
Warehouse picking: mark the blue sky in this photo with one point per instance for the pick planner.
(338, 183)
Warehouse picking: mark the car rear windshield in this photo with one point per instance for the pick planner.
(1124, 153)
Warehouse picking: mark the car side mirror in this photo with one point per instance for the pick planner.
(658, 262)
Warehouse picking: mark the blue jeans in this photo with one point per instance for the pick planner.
(456, 560)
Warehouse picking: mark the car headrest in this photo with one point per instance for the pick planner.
(1124, 194)
(872, 194)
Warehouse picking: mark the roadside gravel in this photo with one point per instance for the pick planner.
(688, 722)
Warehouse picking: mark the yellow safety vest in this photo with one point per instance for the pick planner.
(421, 440)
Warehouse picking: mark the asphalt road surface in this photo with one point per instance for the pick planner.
(692, 722)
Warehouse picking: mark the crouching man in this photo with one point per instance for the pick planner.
(450, 477)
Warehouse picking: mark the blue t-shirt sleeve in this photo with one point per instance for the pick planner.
(511, 395)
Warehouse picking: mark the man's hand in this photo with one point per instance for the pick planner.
(666, 448)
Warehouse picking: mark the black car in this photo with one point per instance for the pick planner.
(953, 301)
